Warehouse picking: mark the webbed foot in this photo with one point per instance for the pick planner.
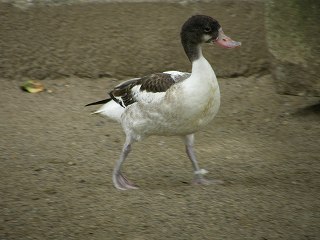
(121, 182)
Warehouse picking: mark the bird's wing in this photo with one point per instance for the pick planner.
(146, 89)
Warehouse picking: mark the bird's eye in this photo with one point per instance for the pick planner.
(207, 29)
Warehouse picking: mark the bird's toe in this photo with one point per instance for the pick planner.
(122, 183)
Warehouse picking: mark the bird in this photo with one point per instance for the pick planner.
(170, 103)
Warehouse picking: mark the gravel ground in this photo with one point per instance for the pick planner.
(57, 160)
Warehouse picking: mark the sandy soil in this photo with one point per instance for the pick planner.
(57, 159)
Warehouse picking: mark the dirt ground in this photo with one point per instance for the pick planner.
(57, 159)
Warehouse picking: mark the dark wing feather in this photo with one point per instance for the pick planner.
(98, 102)
(158, 82)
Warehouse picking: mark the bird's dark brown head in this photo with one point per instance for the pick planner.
(199, 29)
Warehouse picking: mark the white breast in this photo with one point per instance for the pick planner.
(200, 96)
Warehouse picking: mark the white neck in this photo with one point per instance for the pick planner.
(202, 70)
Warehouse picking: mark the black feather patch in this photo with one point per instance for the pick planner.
(159, 82)
(99, 102)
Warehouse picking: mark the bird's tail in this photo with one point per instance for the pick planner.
(110, 108)
(99, 102)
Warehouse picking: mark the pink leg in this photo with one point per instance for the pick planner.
(119, 180)
(199, 178)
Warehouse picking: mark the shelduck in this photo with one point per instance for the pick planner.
(171, 103)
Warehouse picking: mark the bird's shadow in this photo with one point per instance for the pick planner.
(313, 109)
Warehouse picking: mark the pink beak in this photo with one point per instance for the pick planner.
(225, 41)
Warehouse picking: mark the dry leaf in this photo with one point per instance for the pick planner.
(32, 86)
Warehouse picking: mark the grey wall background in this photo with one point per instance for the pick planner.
(293, 42)
(61, 38)
(123, 39)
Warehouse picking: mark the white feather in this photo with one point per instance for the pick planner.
(147, 97)
(112, 110)
(175, 74)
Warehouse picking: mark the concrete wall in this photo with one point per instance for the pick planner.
(293, 35)
(123, 39)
